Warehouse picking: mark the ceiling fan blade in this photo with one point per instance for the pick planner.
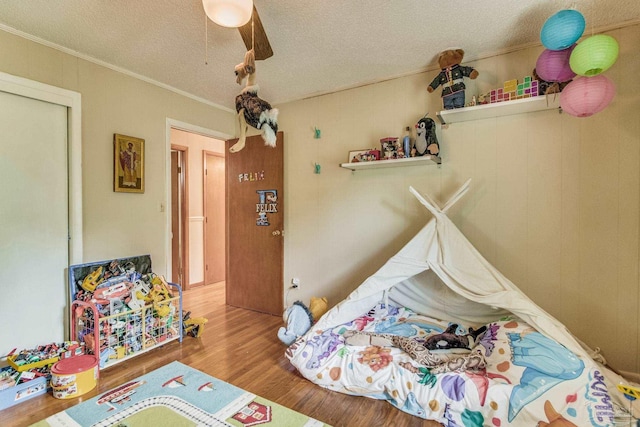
(261, 46)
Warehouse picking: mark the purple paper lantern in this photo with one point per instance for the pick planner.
(586, 96)
(553, 65)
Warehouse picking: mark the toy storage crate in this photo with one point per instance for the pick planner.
(21, 392)
(119, 332)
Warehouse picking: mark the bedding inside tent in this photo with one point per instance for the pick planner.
(534, 370)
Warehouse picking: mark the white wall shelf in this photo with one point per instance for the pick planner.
(378, 164)
(506, 108)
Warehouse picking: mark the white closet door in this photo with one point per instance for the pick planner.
(34, 222)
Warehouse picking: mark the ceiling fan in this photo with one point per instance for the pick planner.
(241, 14)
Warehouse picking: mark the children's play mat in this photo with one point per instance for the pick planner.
(178, 395)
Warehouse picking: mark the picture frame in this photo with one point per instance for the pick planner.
(365, 155)
(128, 164)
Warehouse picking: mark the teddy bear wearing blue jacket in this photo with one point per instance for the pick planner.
(451, 78)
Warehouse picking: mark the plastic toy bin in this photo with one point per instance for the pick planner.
(27, 367)
(21, 392)
(117, 330)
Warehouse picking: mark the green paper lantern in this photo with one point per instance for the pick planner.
(594, 55)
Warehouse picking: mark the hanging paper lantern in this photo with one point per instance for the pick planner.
(553, 65)
(562, 29)
(586, 96)
(594, 55)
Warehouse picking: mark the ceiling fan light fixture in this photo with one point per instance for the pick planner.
(228, 13)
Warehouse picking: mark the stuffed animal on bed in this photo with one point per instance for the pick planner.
(451, 78)
(298, 319)
(452, 355)
(449, 340)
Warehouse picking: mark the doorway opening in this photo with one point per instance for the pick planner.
(196, 222)
(179, 225)
(215, 223)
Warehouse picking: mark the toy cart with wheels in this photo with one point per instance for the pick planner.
(121, 309)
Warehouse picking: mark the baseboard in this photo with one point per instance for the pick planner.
(631, 376)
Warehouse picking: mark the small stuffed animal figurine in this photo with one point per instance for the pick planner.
(548, 88)
(426, 139)
(252, 110)
(452, 78)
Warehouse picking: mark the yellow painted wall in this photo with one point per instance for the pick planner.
(116, 224)
(554, 202)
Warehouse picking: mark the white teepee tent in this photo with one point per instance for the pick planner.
(441, 274)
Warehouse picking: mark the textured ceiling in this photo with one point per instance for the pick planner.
(319, 45)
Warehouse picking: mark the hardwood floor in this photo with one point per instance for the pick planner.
(240, 347)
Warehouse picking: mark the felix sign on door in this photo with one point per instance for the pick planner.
(267, 204)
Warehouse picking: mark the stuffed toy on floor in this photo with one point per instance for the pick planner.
(298, 319)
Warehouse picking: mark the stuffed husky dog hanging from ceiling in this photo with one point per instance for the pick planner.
(252, 110)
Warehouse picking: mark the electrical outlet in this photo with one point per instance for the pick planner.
(295, 282)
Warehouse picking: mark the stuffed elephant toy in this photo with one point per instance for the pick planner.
(298, 319)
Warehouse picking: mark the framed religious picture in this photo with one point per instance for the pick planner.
(128, 167)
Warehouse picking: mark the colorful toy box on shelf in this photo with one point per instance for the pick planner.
(512, 90)
(121, 308)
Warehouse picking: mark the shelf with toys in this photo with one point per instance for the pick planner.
(512, 98)
(406, 161)
(498, 109)
(424, 150)
(121, 309)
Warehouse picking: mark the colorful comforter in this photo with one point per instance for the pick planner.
(528, 379)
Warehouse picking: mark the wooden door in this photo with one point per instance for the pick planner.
(34, 221)
(255, 226)
(214, 218)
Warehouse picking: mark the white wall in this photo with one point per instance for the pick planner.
(116, 224)
(554, 202)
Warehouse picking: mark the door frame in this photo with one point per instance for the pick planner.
(187, 127)
(206, 153)
(183, 196)
(72, 100)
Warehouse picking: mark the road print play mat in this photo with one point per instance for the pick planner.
(177, 395)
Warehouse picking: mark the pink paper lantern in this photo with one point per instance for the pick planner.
(553, 65)
(586, 96)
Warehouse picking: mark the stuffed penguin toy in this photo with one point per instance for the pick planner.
(426, 139)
